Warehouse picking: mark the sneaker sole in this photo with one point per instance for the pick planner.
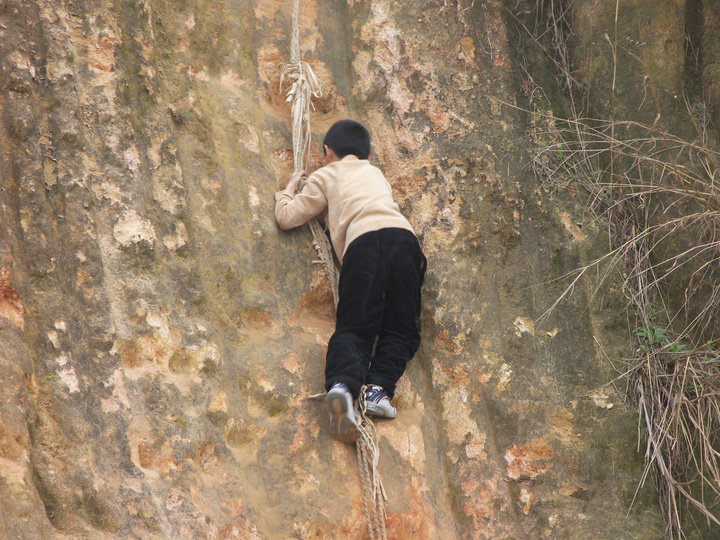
(341, 426)
(376, 410)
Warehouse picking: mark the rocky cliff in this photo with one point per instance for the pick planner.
(160, 337)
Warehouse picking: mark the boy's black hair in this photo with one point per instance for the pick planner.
(348, 137)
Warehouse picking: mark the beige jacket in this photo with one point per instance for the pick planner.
(355, 195)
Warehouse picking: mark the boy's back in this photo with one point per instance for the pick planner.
(355, 196)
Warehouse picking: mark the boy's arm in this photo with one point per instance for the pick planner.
(291, 209)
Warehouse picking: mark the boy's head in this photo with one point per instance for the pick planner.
(348, 137)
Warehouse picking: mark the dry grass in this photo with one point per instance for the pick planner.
(659, 198)
(663, 218)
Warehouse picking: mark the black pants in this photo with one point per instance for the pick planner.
(380, 283)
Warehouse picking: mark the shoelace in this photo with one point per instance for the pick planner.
(375, 394)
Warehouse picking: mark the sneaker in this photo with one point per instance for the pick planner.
(377, 402)
(339, 403)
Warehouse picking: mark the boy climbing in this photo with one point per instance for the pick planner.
(383, 269)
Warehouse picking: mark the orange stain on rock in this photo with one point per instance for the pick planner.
(480, 503)
(475, 449)
(146, 350)
(282, 163)
(291, 363)
(439, 116)
(316, 307)
(10, 303)
(468, 46)
(101, 52)
(417, 521)
(257, 319)
(160, 460)
(563, 423)
(270, 63)
(238, 432)
(523, 461)
(444, 341)
(527, 499)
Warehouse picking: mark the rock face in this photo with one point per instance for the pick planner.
(161, 338)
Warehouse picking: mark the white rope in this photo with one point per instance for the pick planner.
(374, 496)
(305, 86)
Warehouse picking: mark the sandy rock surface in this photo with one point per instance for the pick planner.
(160, 337)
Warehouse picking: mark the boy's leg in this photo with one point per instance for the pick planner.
(359, 313)
(399, 334)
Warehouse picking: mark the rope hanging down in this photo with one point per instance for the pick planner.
(374, 496)
(305, 86)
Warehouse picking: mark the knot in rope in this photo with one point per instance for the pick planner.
(305, 86)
